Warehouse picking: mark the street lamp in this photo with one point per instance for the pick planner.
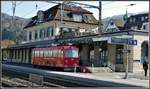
(125, 18)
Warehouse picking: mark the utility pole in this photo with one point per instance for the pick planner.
(13, 18)
(127, 54)
(14, 9)
(61, 14)
(126, 72)
(99, 29)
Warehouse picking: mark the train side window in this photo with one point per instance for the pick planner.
(33, 53)
(41, 53)
(50, 53)
(59, 53)
(55, 53)
(38, 53)
(46, 53)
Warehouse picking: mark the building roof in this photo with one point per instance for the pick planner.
(53, 13)
(119, 22)
(7, 43)
(137, 22)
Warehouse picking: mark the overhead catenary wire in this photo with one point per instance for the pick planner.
(34, 10)
(116, 7)
(107, 3)
(16, 6)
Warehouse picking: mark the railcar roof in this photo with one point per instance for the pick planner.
(56, 47)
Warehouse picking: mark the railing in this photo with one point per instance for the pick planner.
(74, 34)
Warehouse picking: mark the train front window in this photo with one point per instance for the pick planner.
(71, 53)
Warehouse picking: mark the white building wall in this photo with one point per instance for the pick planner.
(137, 65)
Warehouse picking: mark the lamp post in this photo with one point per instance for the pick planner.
(127, 46)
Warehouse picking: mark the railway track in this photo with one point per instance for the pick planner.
(59, 80)
(48, 81)
(24, 77)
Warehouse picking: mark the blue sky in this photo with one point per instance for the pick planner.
(28, 9)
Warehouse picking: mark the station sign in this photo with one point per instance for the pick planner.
(122, 41)
(132, 42)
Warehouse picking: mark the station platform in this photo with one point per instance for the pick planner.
(84, 77)
(111, 77)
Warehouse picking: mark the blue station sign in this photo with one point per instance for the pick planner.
(132, 42)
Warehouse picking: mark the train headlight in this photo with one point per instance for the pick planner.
(72, 59)
(66, 61)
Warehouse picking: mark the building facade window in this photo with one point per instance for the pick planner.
(41, 33)
(30, 35)
(36, 34)
(49, 31)
(77, 17)
(45, 33)
(119, 55)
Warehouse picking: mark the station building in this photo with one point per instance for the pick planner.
(77, 26)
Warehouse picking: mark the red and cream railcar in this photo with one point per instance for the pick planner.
(60, 56)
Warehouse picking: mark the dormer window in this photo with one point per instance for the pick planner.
(146, 17)
(77, 17)
(142, 18)
(145, 26)
(40, 16)
(131, 20)
(111, 23)
(50, 15)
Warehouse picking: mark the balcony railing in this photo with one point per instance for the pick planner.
(74, 34)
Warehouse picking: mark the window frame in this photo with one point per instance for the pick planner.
(77, 17)
(119, 55)
(30, 35)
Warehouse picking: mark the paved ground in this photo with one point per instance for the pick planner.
(115, 77)
(133, 78)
